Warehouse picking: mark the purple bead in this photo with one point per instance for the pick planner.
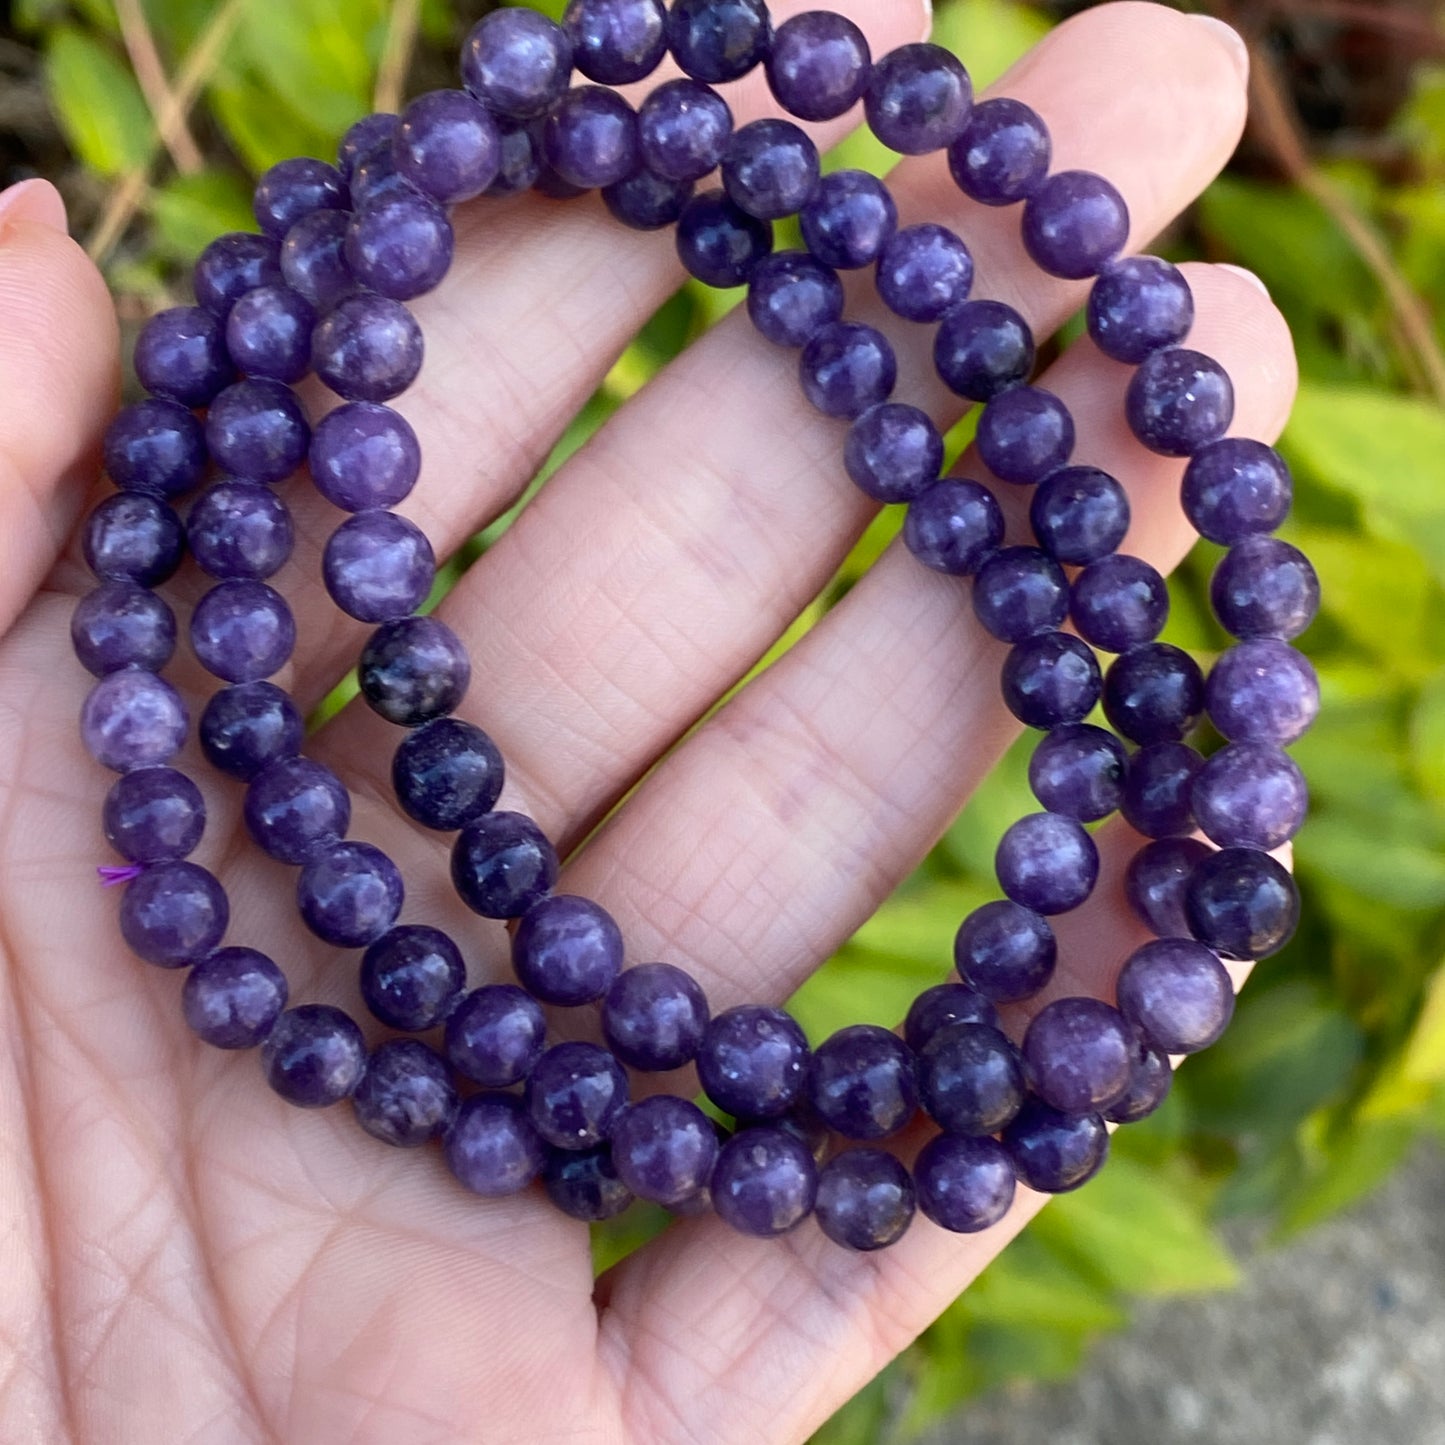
(1053, 1152)
(1153, 693)
(1137, 306)
(519, 157)
(502, 864)
(1078, 770)
(591, 137)
(1079, 515)
(849, 221)
(861, 1082)
(1049, 679)
(364, 456)
(970, 1079)
(349, 894)
(718, 40)
(954, 526)
(371, 133)
(1004, 953)
(964, 1185)
(924, 272)
(242, 631)
(683, 129)
(818, 66)
(1119, 602)
(566, 950)
(1078, 1053)
(1242, 903)
(584, 1184)
(765, 1182)
(770, 169)
(257, 430)
(1074, 224)
(791, 297)
(240, 530)
(516, 62)
(313, 260)
(918, 99)
(447, 773)
(180, 354)
(232, 265)
(615, 42)
(448, 147)
(654, 1017)
(1151, 1079)
(718, 243)
(1263, 587)
(268, 333)
(121, 625)
(378, 566)
(1178, 401)
(413, 670)
(156, 447)
(405, 1097)
(491, 1146)
(1250, 795)
(246, 728)
(1047, 863)
(368, 349)
(1019, 592)
(1262, 691)
(645, 201)
(377, 179)
(133, 719)
(893, 452)
(944, 1004)
(232, 998)
(1024, 434)
(495, 1035)
(1157, 788)
(1002, 155)
(983, 347)
(131, 537)
(173, 913)
(412, 977)
(664, 1149)
(1235, 488)
(295, 808)
(400, 246)
(1156, 880)
(846, 368)
(753, 1062)
(1177, 994)
(865, 1199)
(292, 189)
(575, 1094)
(154, 815)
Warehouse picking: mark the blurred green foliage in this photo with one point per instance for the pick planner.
(1337, 1059)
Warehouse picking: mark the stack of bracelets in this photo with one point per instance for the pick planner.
(322, 289)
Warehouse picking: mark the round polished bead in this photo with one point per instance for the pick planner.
(314, 1056)
(413, 670)
(1024, 434)
(502, 864)
(664, 1149)
(846, 368)
(682, 130)
(1263, 587)
(405, 1096)
(654, 1017)
(1137, 306)
(173, 914)
(953, 526)
(575, 1094)
(765, 1182)
(131, 537)
(268, 333)
(448, 147)
(294, 188)
(1078, 770)
(364, 456)
(1156, 880)
(865, 1200)
(517, 62)
(181, 355)
(232, 998)
(1074, 223)
(918, 99)
(1002, 154)
(1079, 515)
(1178, 401)
(154, 815)
(412, 977)
(400, 246)
(1047, 863)
(246, 728)
(970, 1079)
(944, 1004)
(1004, 952)
(1235, 488)
(1177, 994)
(1242, 903)
(818, 65)
(1119, 602)
(770, 169)
(371, 133)
(313, 261)
(1157, 789)
(232, 265)
(893, 452)
(133, 719)
(156, 447)
(368, 349)
(1078, 1054)
(491, 1147)
(718, 40)
(377, 178)
(495, 1034)
(1054, 1153)
(519, 159)
(964, 1185)
(1263, 691)
(240, 531)
(242, 631)
(349, 894)
(718, 243)
(981, 348)
(615, 42)
(1151, 1078)
(1153, 693)
(753, 1062)
(1018, 592)
(591, 137)
(645, 201)
(1050, 679)
(567, 950)
(122, 625)
(378, 566)
(294, 808)
(850, 219)
(447, 773)
(861, 1082)
(924, 272)
(791, 297)
(257, 430)
(584, 1184)
(1250, 795)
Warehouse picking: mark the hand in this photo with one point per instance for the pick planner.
(185, 1257)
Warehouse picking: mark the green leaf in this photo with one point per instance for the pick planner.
(190, 211)
(1032, 1283)
(98, 103)
(988, 35)
(1427, 738)
(1424, 1057)
(1367, 853)
(1354, 1164)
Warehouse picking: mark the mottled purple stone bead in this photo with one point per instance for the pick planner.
(313, 260)
(1079, 515)
(294, 188)
(718, 40)
(447, 773)
(664, 1149)
(1263, 587)
(246, 728)
(861, 1082)
(1151, 1078)
(368, 349)
(412, 977)
(682, 130)
(791, 296)
(850, 219)
(363, 456)
(567, 950)
(372, 132)
(1054, 1153)
(1263, 691)
(1155, 883)
(349, 894)
(156, 447)
(181, 355)
(153, 815)
(491, 1147)
(232, 265)
(1074, 223)
(242, 631)
(818, 66)
(1018, 592)
(405, 1096)
(256, 429)
(654, 1017)
(122, 625)
(232, 998)
(1178, 401)
(865, 1199)
(1047, 863)
(133, 719)
(918, 99)
(413, 670)
(502, 864)
(1049, 679)
(645, 201)
(1242, 903)
(1153, 693)
(964, 1185)
(519, 158)
(944, 1004)
(378, 566)
(924, 272)
(970, 1079)
(1078, 770)
(1002, 155)
(268, 333)
(846, 368)
(516, 62)
(240, 530)
(591, 137)
(719, 243)
(1137, 306)
(1177, 994)
(954, 526)
(615, 42)
(400, 246)
(131, 537)
(584, 1184)
(377, 179)
(770, 168)
(753, 1062)
(1157, 789)
(1235, 488)
(495, 1034)
(1119, 602)
(575, 1094)
(294, 808)
(893, 451)
(1078, 1054)
(447, 146)
(1024, 434)
(981, 348)
(765, 1182)
(1004, 953)
(1250, 795)
(173, 913)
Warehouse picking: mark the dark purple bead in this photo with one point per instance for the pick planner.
(924, 272)
(1047, 863)
(1235, 488)
(591, 137)
(412, 977)
(378, 566)
(1157, 787)
(1153, 693)
(314, 1056)
(405, 1097)
(448, 147)
(770, 169)
(850, 219)
(491, 1146)
(753, 1062)
(313, 261)
(294, 188)
(447, 773)
(615, 42)
(893, 452)
(964, 1185)
(1137, 306)
(1078, 770)
(131, 537)
(232, 998)
(1024, 434)
(683, 129)
(1242, 903)
(495, 1035)
(246, 728)
(1152, 1076)
(371, 133)
(400, 246)
(154, 815)
(122, 625)
(1074, 224)
(861, 1082)
(1250, 795)
(918, 99)
(242, 631)
(240, 530)
(944, 1004)
(519, 158)
(156, 447)
(846, 368)
(180, 354)
(954, 526)
(1079, 514)
(133, 719)
(1002, 155)
(718, 243)
(664, 1149)
(646, 201)
(363, 456)
(1262, 691)
(765, 1182)
(517, 62)
(268, 333)
(257, 430)
(654, 1017)
(791, 297)
(865, 1199)
(1156, 880)
(377, 178)
(502, 864)
(584, 1184)
(1004, 952)
(368, 349)
(349, 894)
(574, 1095)
(1078, 1053)
(818, 66)
(970, 1079)
(1263, 587)
(413, 670)
(1049, 679)
(232, 265)
(1178, 401)
(718, 40)
(1018, 592)
(1177, 994)
(567, 950)
(983, 347)
(295, 808)
(173, 914)
(1119, 602)
(1053, 1152)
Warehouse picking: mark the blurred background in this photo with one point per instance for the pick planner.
(154, 116)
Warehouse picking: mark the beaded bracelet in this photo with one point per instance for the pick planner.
(322, 289)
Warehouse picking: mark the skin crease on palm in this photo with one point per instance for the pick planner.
(187, 1259)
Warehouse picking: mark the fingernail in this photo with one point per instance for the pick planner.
(34, 200)
(1232, 40)
(1248, 276)
(927, 19)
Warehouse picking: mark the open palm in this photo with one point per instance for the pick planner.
(184, 1257)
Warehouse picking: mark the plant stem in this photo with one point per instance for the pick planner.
(396, 53)
(145, 60)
